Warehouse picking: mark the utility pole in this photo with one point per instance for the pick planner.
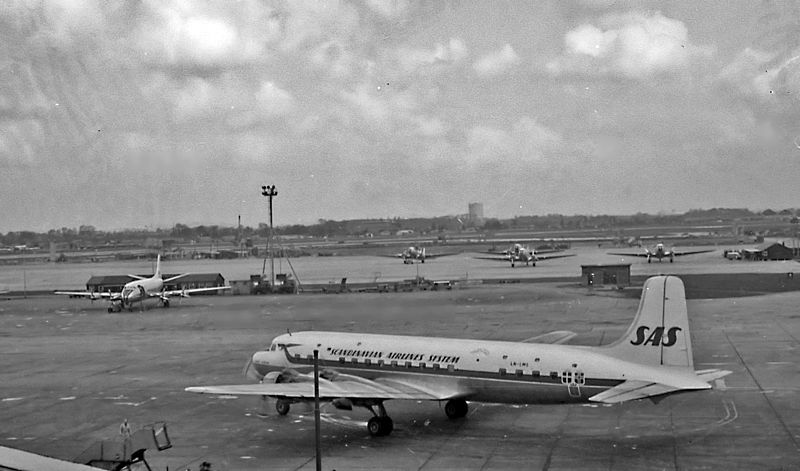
(269, 192)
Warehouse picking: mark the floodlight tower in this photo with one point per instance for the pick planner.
(269, 192)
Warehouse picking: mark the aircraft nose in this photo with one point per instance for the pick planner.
(255, 367)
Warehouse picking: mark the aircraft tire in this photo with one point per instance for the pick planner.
(456, 408)
(166, 303)
(110, 309)
(375, 426)
(380, 426)
(282, 406)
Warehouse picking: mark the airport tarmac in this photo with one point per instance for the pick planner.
(364, 268)
(71, 372)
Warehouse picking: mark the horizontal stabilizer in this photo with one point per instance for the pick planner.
(556, 337)
(631, 390)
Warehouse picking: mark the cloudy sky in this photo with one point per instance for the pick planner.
(149, 113)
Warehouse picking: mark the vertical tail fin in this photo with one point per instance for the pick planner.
(659, 335)
(158, 267)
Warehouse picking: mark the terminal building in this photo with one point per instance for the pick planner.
(114, 283)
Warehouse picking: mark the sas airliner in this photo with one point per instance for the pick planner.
(652, 360)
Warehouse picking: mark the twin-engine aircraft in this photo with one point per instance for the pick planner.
(416, 254)
(142, 289)
(652, 360)
(659, 252)
(519, 253)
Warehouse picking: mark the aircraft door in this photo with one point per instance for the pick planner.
(573, 379)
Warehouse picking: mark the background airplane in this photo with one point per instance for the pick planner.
(659, 252)
(141, 289)
(416, 254)
(519, 253)
(652, 360)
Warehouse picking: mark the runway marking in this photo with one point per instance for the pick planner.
(779, 362)
(9, 399)
(721, 384)
(67, 398)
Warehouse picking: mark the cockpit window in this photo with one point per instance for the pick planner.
(272, 347)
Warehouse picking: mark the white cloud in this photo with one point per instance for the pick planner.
(204, 35)
(497, 62)
(411, 59)
(273, 100)
(764, 74)
(631, 45)
(390, 9)
(526, 140)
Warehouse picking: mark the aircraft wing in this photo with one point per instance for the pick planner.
(690, 252)
(87, 294)
(351, 387)
(437, 255)
(556, 337)
(187, 292)
(13, 458)
(629, 254)
(548, 257)
(496, 258)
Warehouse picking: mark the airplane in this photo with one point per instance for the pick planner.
(411, 254)
(652, 360)
(519, 253)
(659, 252)
(140, 289)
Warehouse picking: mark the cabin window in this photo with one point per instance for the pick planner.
(536, 373)
(536, 359)
(502, 371)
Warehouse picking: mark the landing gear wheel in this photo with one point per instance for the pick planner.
(282, 406)
(456, 408)
(380, 426)
(110, 309)
(166, 303)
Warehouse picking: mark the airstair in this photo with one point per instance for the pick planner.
(127, 453)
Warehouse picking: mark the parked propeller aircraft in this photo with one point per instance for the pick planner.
(141, 289)
(659, 252)
(418, 254)
(652, 360)
(519, 253)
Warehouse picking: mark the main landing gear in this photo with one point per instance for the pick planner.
(381, 424)
(456, 408)
(282, 406)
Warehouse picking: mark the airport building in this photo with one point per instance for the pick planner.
(773, 251)
(601, 275)
(114, 283)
